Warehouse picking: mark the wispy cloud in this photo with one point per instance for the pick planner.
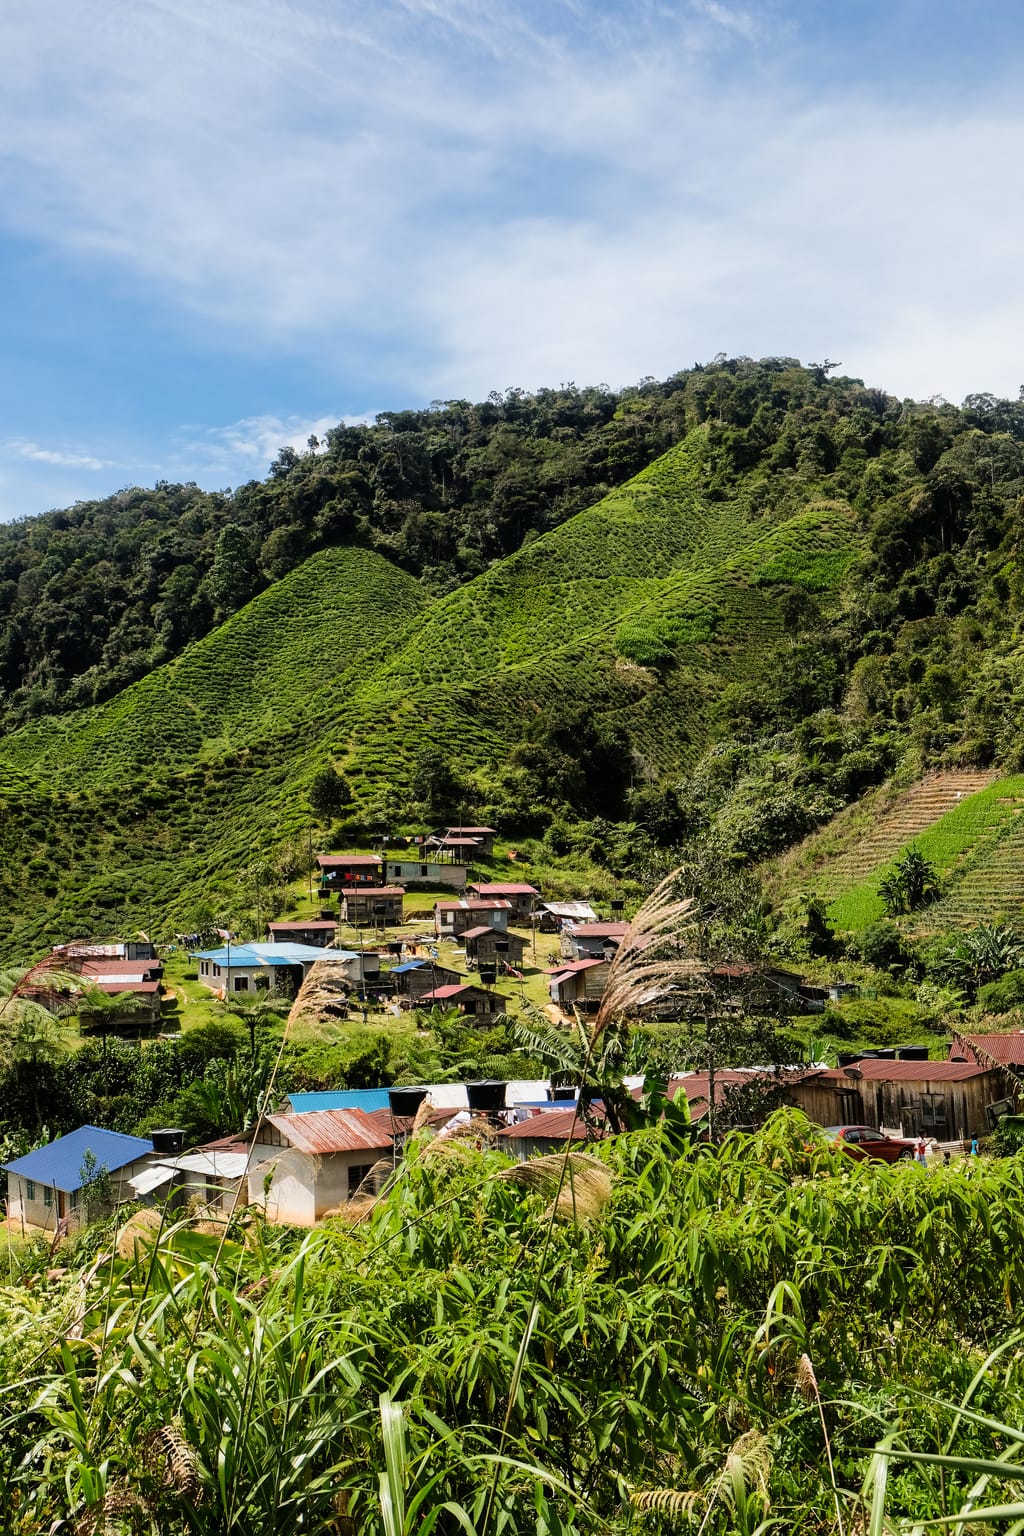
(244, 449)
(436, 197)
(26, 450)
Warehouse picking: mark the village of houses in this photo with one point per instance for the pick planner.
(468, 951)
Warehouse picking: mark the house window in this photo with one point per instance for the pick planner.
(424, 869)
(204, 967)
(30, 1190)
(356, 1174)
(216, 970)
(47, 1196)
(933, 1112)
(241, 983)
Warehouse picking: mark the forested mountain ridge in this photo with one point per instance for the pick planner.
(816, 587)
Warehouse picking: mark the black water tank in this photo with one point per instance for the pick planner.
(562, 1091)
(486, 1097)
(889, 1054)
(847, 1058)
(406, 1101)
(913, 1053)
(168, 1142)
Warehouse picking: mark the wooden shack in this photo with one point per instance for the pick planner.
(944, 1099)
(415, 978)
(579, 984)
(481, 946)
(374, 905)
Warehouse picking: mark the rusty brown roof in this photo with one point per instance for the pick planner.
(378, 890)
(321, 1131)
(598, 930)
(553, 1125)
(1007, 1049)
(492, 888)
(875, 1071)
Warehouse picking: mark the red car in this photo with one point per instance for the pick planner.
(864, 1141)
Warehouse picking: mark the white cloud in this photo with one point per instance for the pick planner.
(243, 450)
(489, 194)
(28, 450)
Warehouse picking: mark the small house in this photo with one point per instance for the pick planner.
(944, 1099)
(550, 1131)
(482, 946)
(552, 916)
(481, 837)
(214, 1177)
(452, 918)
(467, 999)
(317, 932)
(277, 967)
(52, 1183)
(374, 905)
(592, 941)
(454, 850)
(415, 978)
(521, 897)
(579, 984)
(413, 872)
(345, 871)
(305, 1165)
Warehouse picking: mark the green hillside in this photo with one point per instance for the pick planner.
(140, 807)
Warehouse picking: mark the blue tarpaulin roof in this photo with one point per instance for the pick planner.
(59, 1165)
(366, 1099)
(410, 965)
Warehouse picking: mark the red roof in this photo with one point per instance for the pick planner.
(468, 904)
(448, 993)
(1007, 1049)
(336, 860)
(331, 1130)
(490, 831)
(478, 933)
(553, 1125)
(493, 889)
(140, 968)
(598, 930)
(377, 890)
(569, 966)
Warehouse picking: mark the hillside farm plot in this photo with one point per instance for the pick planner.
(976, 847)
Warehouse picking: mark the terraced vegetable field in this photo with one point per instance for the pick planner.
(967, 824)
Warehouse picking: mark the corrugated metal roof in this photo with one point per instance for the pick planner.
(59, 1164)
(112, 985)
(498, 889)
(149, 1179)
(471, 904)
(574, 910)
(376, 890)
(280, 953)
(874, 1071)
(331, 1130)
(599, 930)
(337, 860)
(553, 1125)
(366, 1099)
(1007, 1049)
(319, 924)
(216, 1165)
(570, 967)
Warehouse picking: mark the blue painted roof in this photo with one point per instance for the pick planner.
(366, 1099)
(410, 965)
(59, 1164)
(270, 954)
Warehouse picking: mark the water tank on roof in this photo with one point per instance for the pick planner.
(562, 1091)
(889, 1054)
(406, 1101)
(487, 1096)
(847, 1058)
(913, 1053)
(167, 1142)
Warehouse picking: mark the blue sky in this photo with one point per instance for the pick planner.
(225, 225)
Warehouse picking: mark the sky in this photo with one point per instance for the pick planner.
(225, 226)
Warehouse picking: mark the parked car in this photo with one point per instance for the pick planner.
(865, 1141)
